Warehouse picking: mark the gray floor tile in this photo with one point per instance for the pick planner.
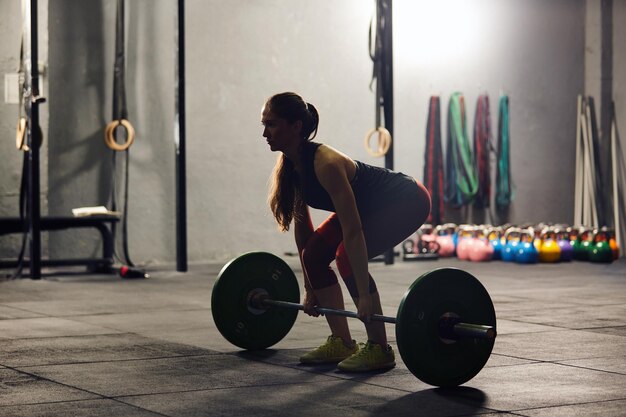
(110, 301)
(97, 348)
(7, 312)
(577, 317)
(513, 326)
(618, 331)
(560, 345)
(172, 375)
(610, 364)
(339, 397)
(48, 327)
(18, 388)
(194, 327)
(512, 388)
(85, 408)
(600, 409)
(502, 360)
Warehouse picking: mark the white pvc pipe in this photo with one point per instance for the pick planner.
(616, 199)
(591, 170)
(578, 185)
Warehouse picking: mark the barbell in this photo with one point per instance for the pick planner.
(445, 325)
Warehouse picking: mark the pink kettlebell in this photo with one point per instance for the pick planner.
(446, 244)
(466, 241)
(481, 250)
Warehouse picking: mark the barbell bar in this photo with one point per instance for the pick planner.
(445, 324)
(448, 327)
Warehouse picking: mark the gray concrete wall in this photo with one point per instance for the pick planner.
(529, 50)
(11, 159)
(82, 36)
(240, 52)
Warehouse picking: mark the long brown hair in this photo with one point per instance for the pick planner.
(285, 193)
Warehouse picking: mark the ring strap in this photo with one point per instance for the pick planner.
(20, 135)
(384, 141)
(109, 135)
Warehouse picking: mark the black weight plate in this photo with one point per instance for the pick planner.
(246, 327)
(431, 359)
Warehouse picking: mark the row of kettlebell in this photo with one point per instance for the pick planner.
(559, 243)
(594, 245)
(542, 243)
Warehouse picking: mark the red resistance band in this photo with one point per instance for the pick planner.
(433, 162)
(482, 147)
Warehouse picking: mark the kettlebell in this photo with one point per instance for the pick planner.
(426, 243)
(408, 246)
(526, 250)
(549, 250)
(563, 240)
(426, 233)
(444, 239)
(481, 250)
(601, 251)
(583, 244)
(511, 239)
(462, 246)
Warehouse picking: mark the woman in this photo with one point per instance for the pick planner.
(373, 209)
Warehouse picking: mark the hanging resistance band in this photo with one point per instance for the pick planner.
(504, 184)
(120, 119)
(461, 181)
(482, 149)
(433, 162)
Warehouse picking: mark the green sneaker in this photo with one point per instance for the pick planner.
(333, 351)
(369, 357)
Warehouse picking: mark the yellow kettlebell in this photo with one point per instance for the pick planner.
(549, 250)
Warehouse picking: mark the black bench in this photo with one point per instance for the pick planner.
(11, 225)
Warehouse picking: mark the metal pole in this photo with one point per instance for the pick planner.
(34, 140)
(387, 82)
(179, 134)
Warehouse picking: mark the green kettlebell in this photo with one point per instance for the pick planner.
(583, 242)
(600, 250)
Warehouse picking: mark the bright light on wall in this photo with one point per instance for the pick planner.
(435, 33)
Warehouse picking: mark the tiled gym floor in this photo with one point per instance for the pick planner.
(96, 345)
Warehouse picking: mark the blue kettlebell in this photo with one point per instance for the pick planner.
(512, 239)
(526, 251)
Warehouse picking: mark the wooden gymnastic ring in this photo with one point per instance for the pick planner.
(109, 138)
(20, 135)
(384, 141)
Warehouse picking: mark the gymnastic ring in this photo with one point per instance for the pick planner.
(109, 139)
(20, 135)
(384, 141)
